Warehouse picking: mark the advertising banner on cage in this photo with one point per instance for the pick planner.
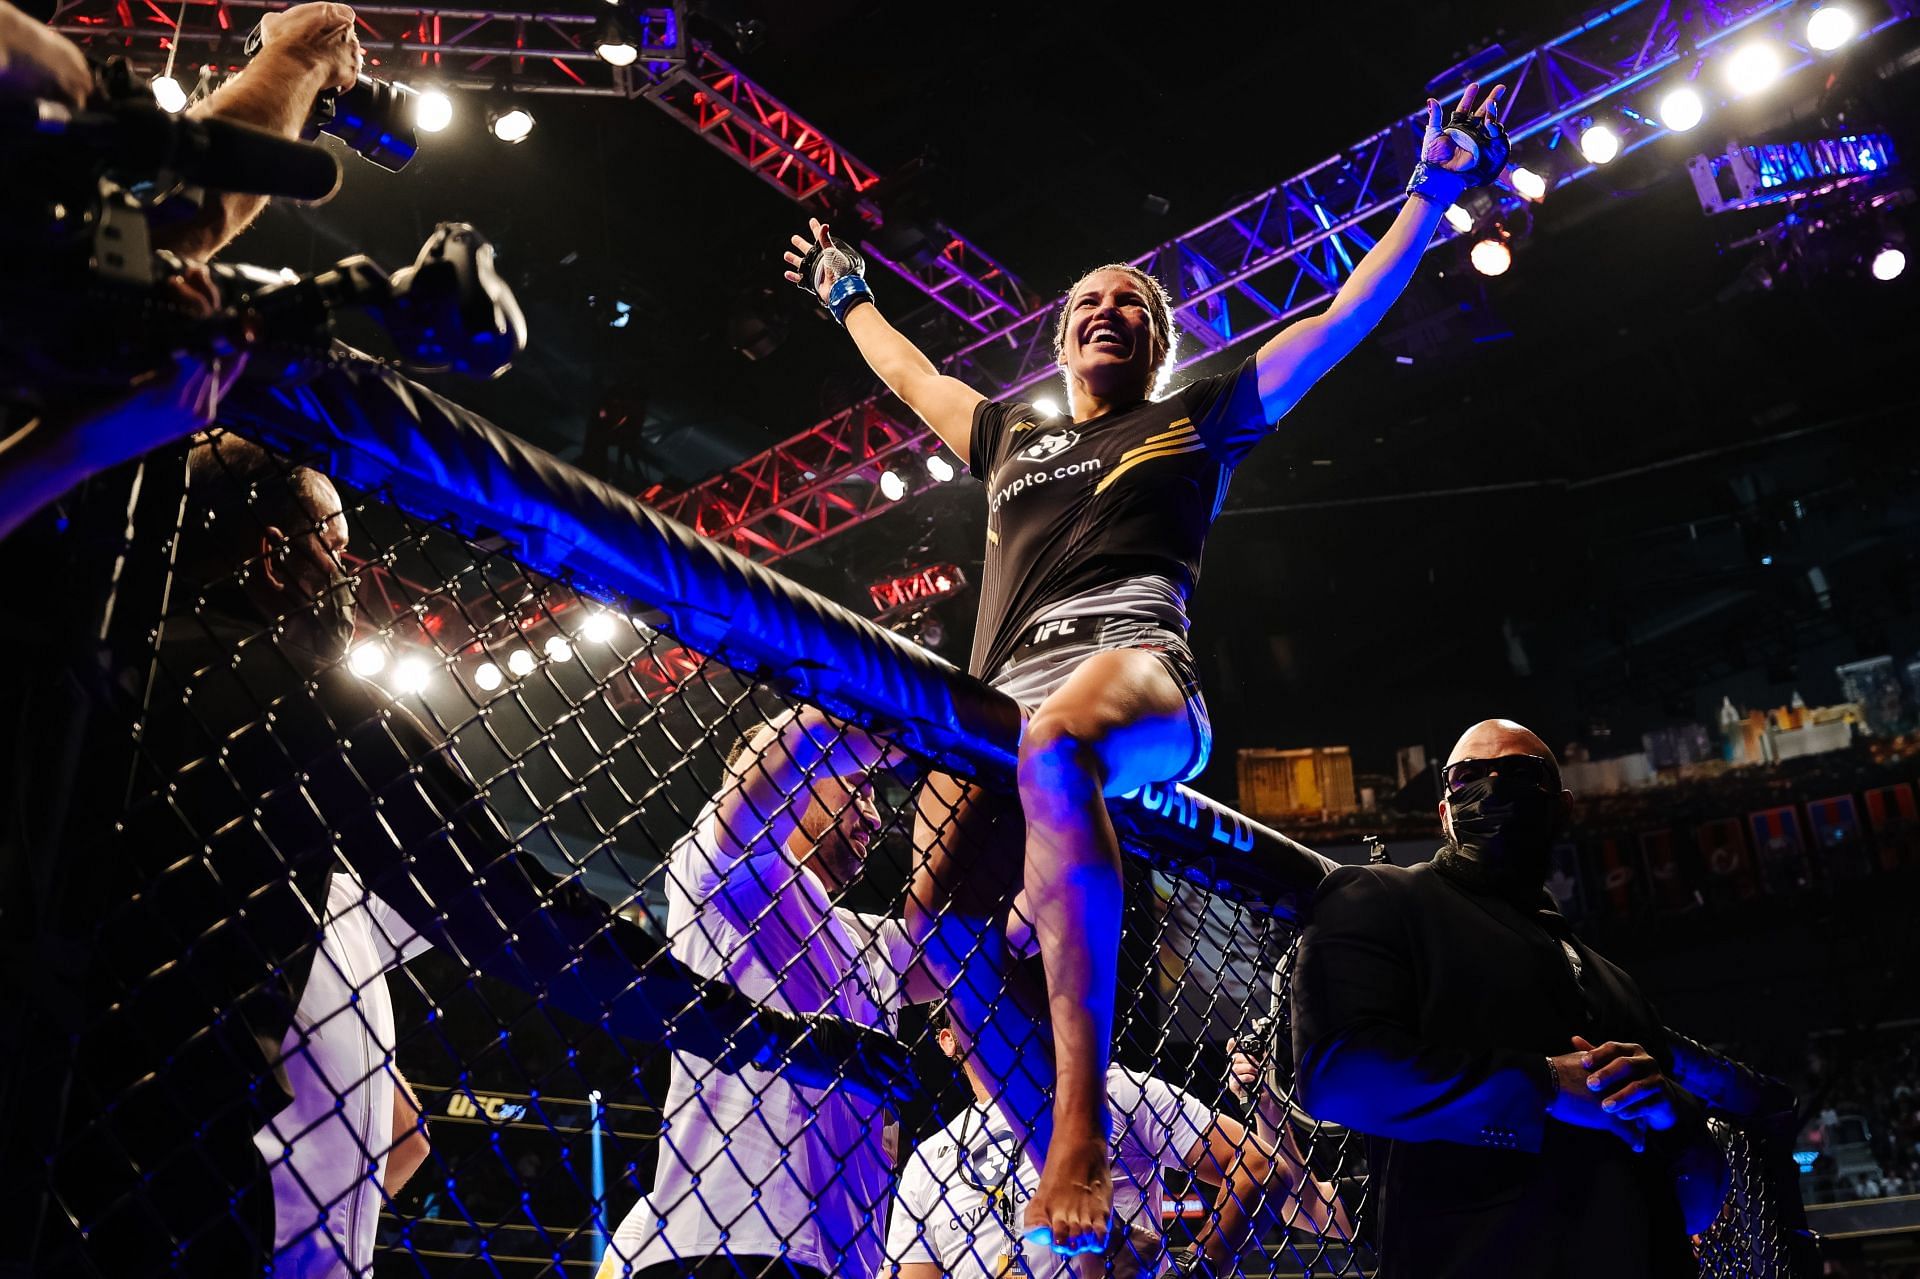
(1723, 850)
(1780, 848)
(1666, 885)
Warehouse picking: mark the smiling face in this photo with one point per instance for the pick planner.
(1114, 335)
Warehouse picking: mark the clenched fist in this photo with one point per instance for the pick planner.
(320, 35)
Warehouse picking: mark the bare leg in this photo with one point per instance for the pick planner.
(1117, 723)
(969, 847)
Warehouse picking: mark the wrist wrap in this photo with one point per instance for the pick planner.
(847, 292)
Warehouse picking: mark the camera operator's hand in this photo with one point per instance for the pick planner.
(38, 62)
(319, 35)
(304, 51)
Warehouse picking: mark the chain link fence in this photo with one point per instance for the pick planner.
(420, 912)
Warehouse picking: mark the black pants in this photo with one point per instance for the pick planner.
(729, 1268)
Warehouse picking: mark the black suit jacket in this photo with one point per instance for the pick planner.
(1421, 1014)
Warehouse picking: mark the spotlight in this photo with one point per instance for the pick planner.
(892, 485)
(1599, 143)
(510, 124)
(598, 628)
(1491, 256)
(488, 677)
(520, 662)
(1048, 405)
(367, 660)
(1529, 184)
(939, 468)
(1888, 263)
(610, 42)
(411, 675)
(168, 93)
(557, 649)
(1831, 26)
(1753, 67)
(432, 111)
(1681, 109)
(1459, 219)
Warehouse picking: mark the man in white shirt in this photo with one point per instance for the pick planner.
(960, 1210)
(758, 1176)
(334, 1153)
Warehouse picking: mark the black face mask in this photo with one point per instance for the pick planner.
(1504, 828)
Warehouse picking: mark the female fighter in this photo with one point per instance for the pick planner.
(1095, 522)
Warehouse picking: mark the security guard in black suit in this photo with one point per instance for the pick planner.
(1514, 1084)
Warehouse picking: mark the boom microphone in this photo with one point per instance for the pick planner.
(139, 141)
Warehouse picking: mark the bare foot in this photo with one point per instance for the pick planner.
(1072, 1208)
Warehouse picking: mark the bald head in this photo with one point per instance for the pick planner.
(1492, 738)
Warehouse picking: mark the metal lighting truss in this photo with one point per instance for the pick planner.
(1240, 275)
(554, 53)
(467, 48)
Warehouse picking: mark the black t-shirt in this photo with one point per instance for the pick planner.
(1075, 506)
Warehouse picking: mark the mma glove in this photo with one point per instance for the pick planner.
(836, 276)
(1485, 137)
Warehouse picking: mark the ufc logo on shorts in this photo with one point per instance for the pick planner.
(1048, 630)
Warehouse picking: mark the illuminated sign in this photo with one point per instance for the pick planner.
(462, 1105)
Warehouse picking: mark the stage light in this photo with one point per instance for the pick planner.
(367, 660)
(1491, 257)
(557, 649)
(939, 468)
(1682, 108)
(1529, 184)
(411, 675)
(1459, 219)
(520, 662)
(1888, 263)
(598, 628)
(512, 124)
(1048, 405)
(1831, 26)
(610, 42)
(892, 485)
(168, 93)
(488, 677)
(432, 111)
(1753, 67)
(1599, 144)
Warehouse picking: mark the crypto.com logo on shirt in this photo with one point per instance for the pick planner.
(1044, 449)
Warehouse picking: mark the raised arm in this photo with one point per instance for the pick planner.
(1302, 353)
(769, 786)
(945, 404)
(304, 50)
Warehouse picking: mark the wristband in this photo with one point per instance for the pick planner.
(847, 292)
(1431, 182)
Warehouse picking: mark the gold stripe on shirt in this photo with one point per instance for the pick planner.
(1171, 438)
(1129, 462)
(1183, 427)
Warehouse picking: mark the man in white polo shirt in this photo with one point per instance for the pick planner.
(336, 1152)
(960, 1209)
(758, 1177)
